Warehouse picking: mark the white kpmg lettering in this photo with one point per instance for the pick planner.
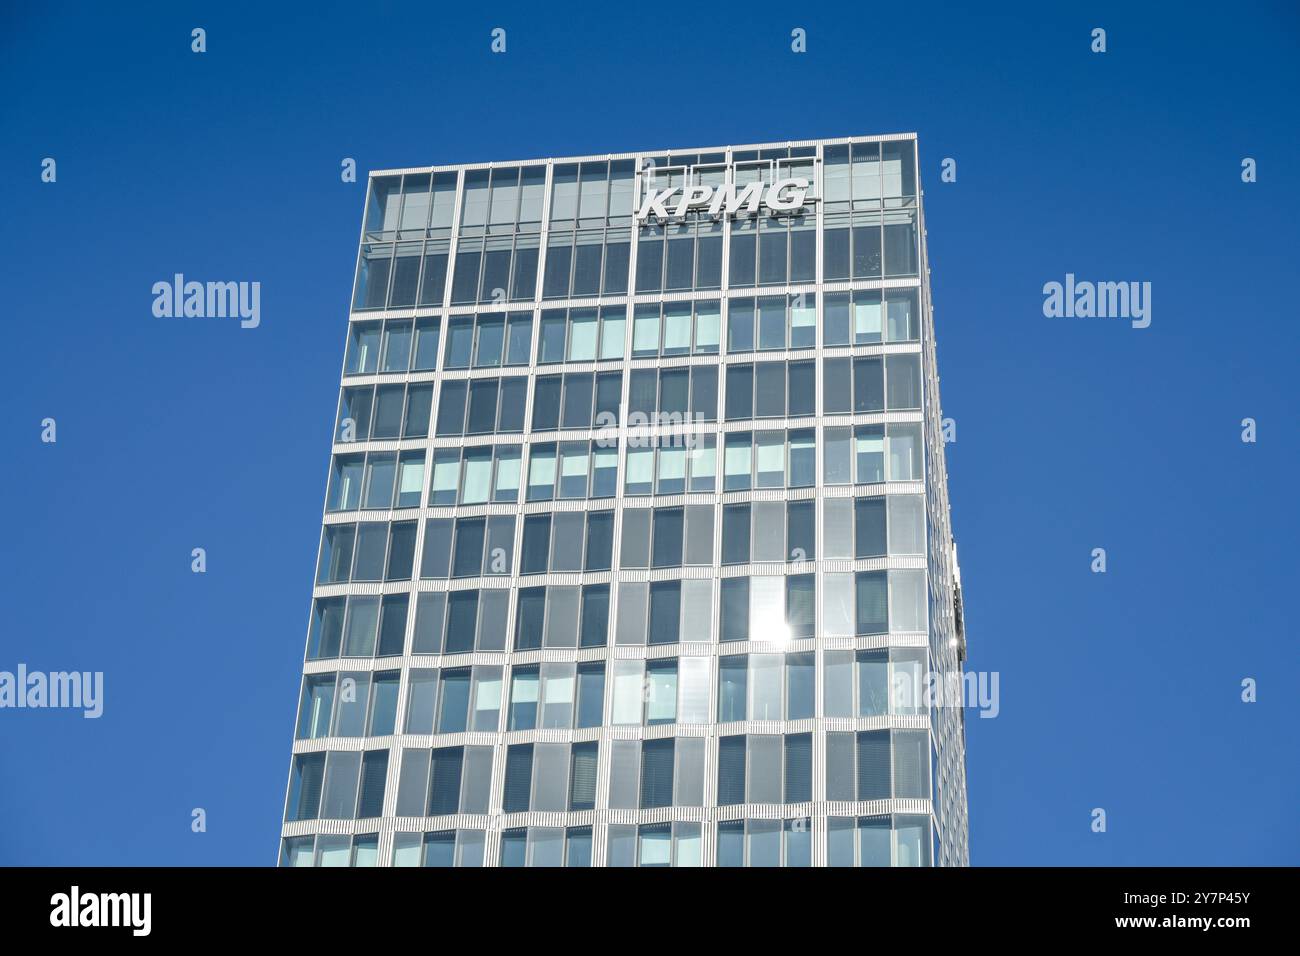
(784, 195)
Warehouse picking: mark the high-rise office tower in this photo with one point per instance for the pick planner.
(636, 545)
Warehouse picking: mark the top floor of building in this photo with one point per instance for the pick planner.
(641, 224)
(642, 188)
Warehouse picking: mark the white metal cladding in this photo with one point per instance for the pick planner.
(947, 811)
(597, 157)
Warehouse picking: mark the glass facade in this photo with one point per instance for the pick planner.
(636, 547)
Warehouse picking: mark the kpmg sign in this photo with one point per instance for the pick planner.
(782, 196)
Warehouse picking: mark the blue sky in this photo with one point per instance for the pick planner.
(1118, 690)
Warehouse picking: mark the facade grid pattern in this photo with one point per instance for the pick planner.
(636, 547)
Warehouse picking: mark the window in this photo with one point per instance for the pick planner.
(772, 323)
(866, 328)
(561, 627)
(482, 546)
(549, 777)
(571, 470)
(575, 469)
(837, 466)
(489, 340)
(475, 484)
(670, 468)
(766, 687)
(903, 315)
(363, 348)
(760, 460)
(410, 479)
(334, 565)
(504, 261)
(733, 701)
(770, 390)
(419, 402)
(468, 699)
(442, 848)
(485, 688)
(768, 531)
(800, 678)
(672, 396)
(392, 624)
(661, 691)
(680, 255)
(868, 384)
(353, 786)
(906, 524)
(561, 616)
(665, 612)
(584, 230)
(676, 328)
(734, 624)
(803, 313)
(667, 539)
(764, 768)
(422, 695)
(878, 765)
(326, 633)
(763, 601)
(594, 622)
(582, 335)
(869, 527)
(875, 683)
(635, 549)
(345, 483)
(800, 613)
(904, 452)
(541, 472)
(590, 694)
(699, 535)
(900, 243)
(305, 787)
(903, 373)
(557, 542)
(524, 697)
(907, 600)
(869, 454)
(878, 840)
(657, 773)
(530, 614)
(316, 706)
(873, 766)
(872, 603)
(481, 406)
(702, 461)
(582, 776)
(355, 405)
(460, 342)
(350, 627)
(443, 781)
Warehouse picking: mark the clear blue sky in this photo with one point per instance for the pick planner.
(1118, 691)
